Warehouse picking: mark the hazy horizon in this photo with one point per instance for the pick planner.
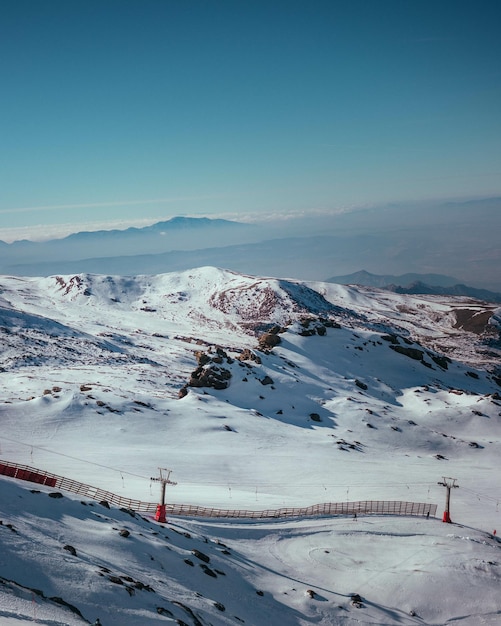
(126, 113)
(327, 218)
(458, 240)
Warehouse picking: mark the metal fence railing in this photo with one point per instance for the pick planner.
(361, 507)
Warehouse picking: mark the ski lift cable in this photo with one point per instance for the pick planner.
(240, 484)
(75, 458)
(481, 495)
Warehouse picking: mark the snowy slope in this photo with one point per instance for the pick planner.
(69, 562)
(352, 394)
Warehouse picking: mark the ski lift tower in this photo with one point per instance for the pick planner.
(448, 483)
(163, 479)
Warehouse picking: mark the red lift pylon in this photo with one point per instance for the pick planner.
(448, 483)
(160, 515)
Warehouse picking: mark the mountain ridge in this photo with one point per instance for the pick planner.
(258, 394)
(412, 283)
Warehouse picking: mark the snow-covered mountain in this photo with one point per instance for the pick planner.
(432, 284)
(257, 393)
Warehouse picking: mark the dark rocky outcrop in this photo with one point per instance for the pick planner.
(209, 372)
(212, 376)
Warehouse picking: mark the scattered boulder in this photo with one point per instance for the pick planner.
(356, 600)
(268, 341)
(472, 375)
(393, 339)
(307, 332)
(330, 323)
(412, 353)
(202, 357)
(249, 355)
(200, 555)
(267, 380)
(212, 376)
(70, 549)
(207, 570)
(441, 361)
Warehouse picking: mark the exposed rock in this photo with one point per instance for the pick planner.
(391, 338)
(201, 556)
(266, 381)
(249, 355)
(356, 600)
(69, 606)
(207, 570)
(472, 375)
(307, 332)
(211, 376)
(441, 361)
(202, 357)
(413, 353)
(268, 341)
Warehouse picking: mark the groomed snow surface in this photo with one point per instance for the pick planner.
(91, 372)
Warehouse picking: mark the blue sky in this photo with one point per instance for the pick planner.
(122, 111)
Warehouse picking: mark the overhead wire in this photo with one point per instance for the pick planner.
(240, 483)
(74, 458)
(482, 496)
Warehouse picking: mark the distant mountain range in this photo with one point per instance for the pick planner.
(432, 284)
(159, 228)
(455, 240)
(179, 233)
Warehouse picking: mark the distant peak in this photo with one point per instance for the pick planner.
(191, 222)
